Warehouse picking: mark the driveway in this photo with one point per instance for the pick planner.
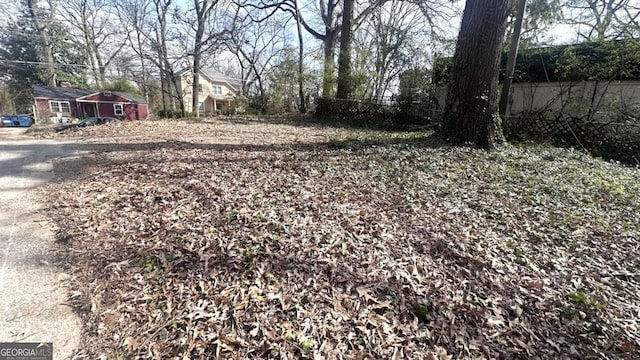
(33, 289)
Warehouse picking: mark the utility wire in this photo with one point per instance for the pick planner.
(223, 77)
(40, 63)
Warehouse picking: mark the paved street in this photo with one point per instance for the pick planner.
(32, 287)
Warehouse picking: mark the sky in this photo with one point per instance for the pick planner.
(562, 34)
(558, 34)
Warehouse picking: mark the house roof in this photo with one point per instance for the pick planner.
(50, 92)
(214, 75)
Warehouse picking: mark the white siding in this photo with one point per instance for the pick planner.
(186, 81)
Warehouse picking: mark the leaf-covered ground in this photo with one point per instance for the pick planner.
(243, 239)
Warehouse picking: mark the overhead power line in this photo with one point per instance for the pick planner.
(40, 63)
(89, 67)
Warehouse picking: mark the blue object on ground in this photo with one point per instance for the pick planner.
(17, 120)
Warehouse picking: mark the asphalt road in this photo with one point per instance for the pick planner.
(33, 289)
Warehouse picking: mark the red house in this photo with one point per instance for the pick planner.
(65, 102)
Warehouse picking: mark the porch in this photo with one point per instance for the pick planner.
(218, 105)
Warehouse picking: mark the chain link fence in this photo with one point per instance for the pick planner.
(618, 140)
(361, 113)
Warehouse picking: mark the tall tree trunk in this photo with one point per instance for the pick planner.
(88, 43)
(45, 40)
(471, 111)
(145, 81)
(102, 69)
(89, 38)
(167, 77)
(344, 57)
(203, 10)
(164, 83)
(328, 42)
(172, 79)
(328, 69)
(303, 105)
(511, 61)
(195, 94)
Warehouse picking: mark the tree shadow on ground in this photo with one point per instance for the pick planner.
(219, 152)
(239, 266)
(28, 162)
(313, 121)
(352, 143)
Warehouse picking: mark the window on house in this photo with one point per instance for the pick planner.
(59, 106)
(217, 90)
(200, 88)
(201, 107)
(118, 109)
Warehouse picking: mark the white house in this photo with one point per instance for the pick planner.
(216, 93)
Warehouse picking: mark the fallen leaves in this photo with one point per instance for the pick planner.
(228, 239)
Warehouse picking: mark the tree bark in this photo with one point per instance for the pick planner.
(145, 82)
(92, 59)
(328, 69)
(164, 84)
(197, 56)
(203, 10)
(163, 64)
(45, 41)
(303, 105)
(511, 61)
(344, 57)
(471, 111)
(195, 94)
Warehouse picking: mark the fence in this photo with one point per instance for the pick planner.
(618, 138)
(370, 114)
(598, 116)
(612, 140)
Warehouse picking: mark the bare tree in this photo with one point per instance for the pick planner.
(632, 15)
(134, 15)
(301, 95)
(153, 37)
(203, 10)
(209, 25)
(330, 12)
(291, 7)
(539, 15)
(432, 11)
(329, 17)
(42, 20)
(601, 19)
(390, 41)
(102, 37)
(255, 44)
(159, 45)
